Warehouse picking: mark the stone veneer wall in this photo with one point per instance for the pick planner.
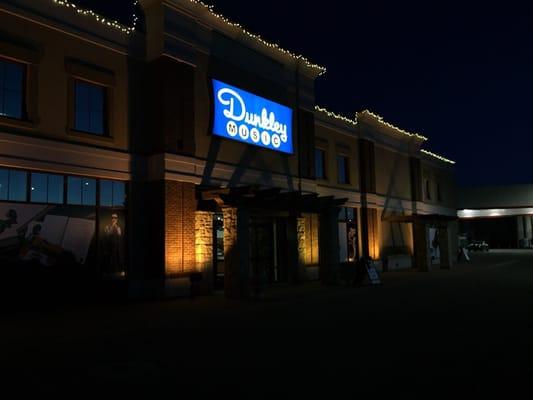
(300, 232)
(231, 253)
(311, 242)
(204, 242)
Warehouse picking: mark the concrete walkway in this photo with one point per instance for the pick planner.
(467, 330)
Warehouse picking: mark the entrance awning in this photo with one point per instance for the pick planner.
(274, 199)
(428, 218)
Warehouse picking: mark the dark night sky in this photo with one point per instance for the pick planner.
(458, 73)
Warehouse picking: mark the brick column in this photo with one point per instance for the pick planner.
(204, 248)
(180, 259)
(236, 253)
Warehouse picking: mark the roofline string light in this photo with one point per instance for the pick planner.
(336, 116)
(129, 30)
(297, 57)
(135, 16)
(108, 22)
(429, 153)
(399, 130)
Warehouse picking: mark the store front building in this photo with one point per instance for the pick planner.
(189, 156)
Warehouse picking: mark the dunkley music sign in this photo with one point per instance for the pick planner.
(247, 118)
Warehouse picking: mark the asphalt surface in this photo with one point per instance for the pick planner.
(430, 335)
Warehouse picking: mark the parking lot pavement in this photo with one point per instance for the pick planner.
(467, 329)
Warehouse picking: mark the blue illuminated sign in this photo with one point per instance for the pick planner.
(250, 119)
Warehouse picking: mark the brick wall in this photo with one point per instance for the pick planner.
(180, 208)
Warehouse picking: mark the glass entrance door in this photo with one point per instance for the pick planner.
(262, 250)
(218, 253)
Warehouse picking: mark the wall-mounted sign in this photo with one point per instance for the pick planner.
(250, 119)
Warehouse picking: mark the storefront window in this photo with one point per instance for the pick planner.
(348, 235)
(112, 194)
(112, 243)
(81, 191)
(46, 188)
(16, 185)
(4, 181)
(65, 237)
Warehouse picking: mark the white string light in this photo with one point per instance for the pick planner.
(336, 116)
(321, 70)
(429, 153)
(128, 30)
(383, 122)
(111, 23)
(135, 16)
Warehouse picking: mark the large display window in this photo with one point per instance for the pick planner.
(70, 225)
(348, 235)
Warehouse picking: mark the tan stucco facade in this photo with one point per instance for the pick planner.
(275, 219)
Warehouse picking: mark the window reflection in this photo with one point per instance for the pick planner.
(89, 108)
(12, 76)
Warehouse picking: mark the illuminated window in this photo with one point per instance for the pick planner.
(348, 235)
(46, 188)
(90, 108)
(12, 78)
(320, 164)
(343, 168)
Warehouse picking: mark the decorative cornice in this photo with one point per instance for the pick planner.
(366, 114)
(336, 116)
(317, 68)
(429, 153)
(97, 17)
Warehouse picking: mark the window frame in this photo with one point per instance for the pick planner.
(114, 183)
(26, 191)
(65, 202)
(80, 71)
(105, 111)
(83, 180)
(48, 175)
(346, 169)
(29, 59)
(343, 219)
(23, 90)
(324, 163)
